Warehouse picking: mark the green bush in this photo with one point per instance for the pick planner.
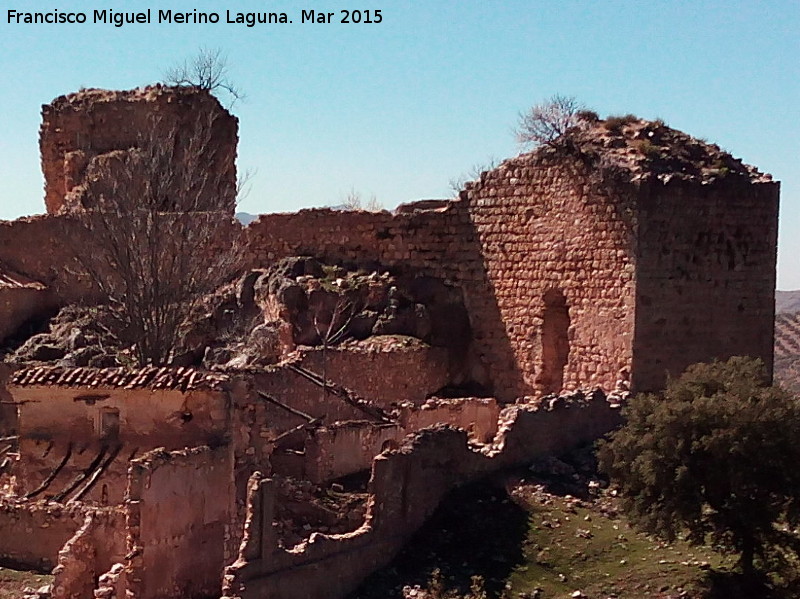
(714, 457)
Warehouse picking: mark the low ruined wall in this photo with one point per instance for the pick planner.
(347, 447)
(32, 534)
(99, 543)
(179, 517)
(406, 487)
(384, 375)
(477, 416)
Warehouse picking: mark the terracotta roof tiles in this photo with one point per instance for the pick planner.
(151, 377)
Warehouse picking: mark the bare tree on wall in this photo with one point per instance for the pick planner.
(161, 230)
(208, 70)
(474, 173)
(335, 332)
(547, 122)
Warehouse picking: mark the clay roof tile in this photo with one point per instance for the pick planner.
(183, 379)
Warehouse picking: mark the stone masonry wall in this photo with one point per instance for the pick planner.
(384, 376)
(32, 534)
(542, 252)
(348, 447)
(44, 249)
(344, 448)
(92, 550)
(557, 247)
(39, 247)
(478, 416)
(705, 275)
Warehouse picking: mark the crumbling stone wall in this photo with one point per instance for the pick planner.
(92, 550)
(38, 249)
(346, 447)
(557, 247)
(179, 515)
(705, 275)
(477, 416)
(33, 533)
(81, 130)
(386, 372)
(406, 486)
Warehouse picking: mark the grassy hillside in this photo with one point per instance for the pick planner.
(549, 533)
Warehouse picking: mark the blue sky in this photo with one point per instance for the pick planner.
(400, 108)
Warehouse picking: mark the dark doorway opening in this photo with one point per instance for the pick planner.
(555, 341)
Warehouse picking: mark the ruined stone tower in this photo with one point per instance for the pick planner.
(80, 131)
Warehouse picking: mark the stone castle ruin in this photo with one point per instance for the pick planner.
(357, 365)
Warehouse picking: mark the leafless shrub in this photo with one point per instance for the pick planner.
(208, 70)
(335, 332)
(355, 201)
(546, 123)
(616, 123)
(458, 183)
(162, 233)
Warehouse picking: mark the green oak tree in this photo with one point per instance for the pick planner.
(714, 457)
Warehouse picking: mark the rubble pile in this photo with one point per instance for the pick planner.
(303, 507)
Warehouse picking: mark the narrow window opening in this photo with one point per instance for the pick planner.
(109, 424)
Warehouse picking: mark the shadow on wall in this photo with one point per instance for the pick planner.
(490, 547)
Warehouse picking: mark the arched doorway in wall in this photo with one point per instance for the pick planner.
(555, 341)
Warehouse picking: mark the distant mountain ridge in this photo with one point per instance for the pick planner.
(787, 301)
